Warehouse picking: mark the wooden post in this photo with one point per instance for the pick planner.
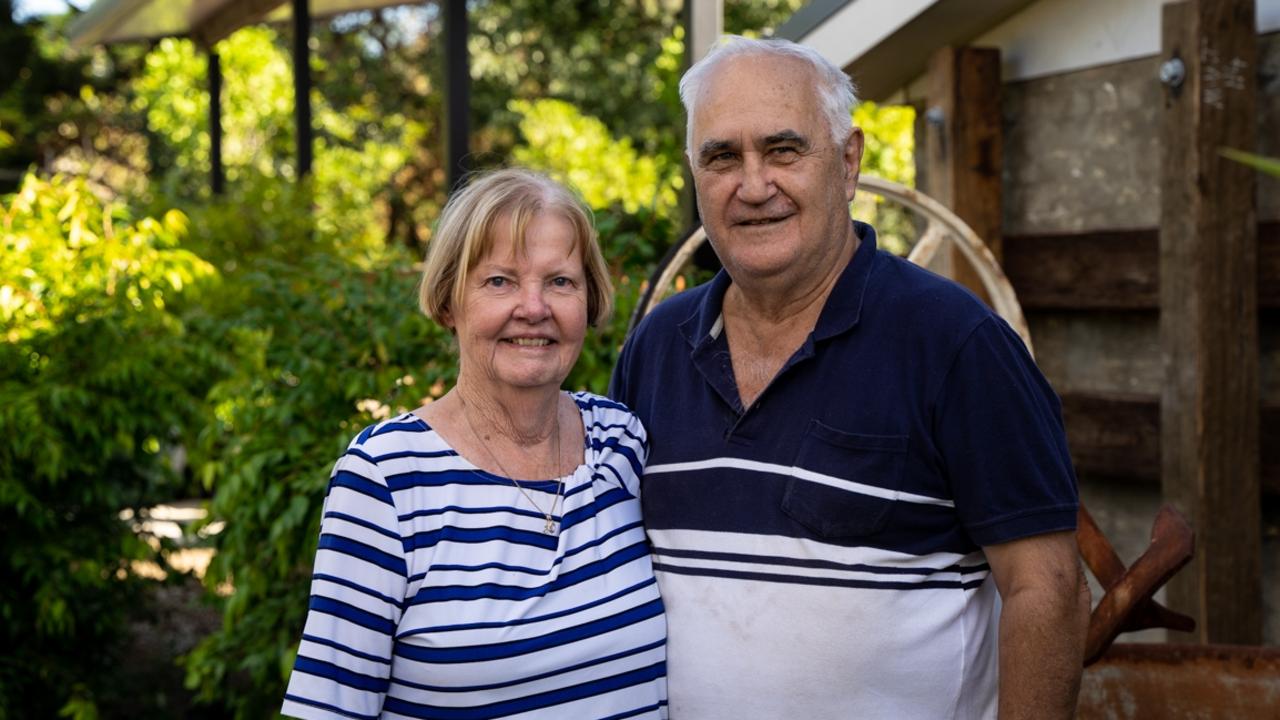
(964, 145)
(1209, 315)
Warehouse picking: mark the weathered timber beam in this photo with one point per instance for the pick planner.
(1111, 269)
(1114, 434)
(964, 145)
(1117, 435)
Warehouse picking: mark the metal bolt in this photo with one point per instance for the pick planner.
(935, 116)
(1173, 72)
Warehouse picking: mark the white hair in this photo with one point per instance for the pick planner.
(836, 92)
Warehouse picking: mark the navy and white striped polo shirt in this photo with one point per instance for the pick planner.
(819, 553)
(436, 593)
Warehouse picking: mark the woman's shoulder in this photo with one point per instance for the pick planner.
(603, 410)
(616, 439)
(609, 421)
(396, 436)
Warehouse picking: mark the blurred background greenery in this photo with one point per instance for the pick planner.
(163, 344)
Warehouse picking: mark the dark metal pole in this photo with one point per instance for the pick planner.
(302, 84)
(457, 93)
(217, 179)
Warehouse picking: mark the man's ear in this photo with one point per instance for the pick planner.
(852, 162)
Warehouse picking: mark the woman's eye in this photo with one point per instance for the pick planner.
(562, 282)
(496, 281)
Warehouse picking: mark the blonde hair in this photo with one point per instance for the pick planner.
(466, 232)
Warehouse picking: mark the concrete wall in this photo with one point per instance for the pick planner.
(1082, 149)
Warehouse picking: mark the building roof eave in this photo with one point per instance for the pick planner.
(893, 39)
(115, 21)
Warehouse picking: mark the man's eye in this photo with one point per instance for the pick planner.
(783, 151)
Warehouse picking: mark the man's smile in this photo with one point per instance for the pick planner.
(773, 220)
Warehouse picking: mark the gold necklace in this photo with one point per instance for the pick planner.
(550, 527)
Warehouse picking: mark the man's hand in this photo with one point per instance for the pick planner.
(1042, 625)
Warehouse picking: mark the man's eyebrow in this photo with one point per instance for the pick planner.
(786, 136)
(711, 147)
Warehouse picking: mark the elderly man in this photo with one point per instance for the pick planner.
(854, 463)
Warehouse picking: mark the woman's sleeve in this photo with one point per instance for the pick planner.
(357, 591)
(637, 440)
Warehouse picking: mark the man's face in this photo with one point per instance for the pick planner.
(773, 187)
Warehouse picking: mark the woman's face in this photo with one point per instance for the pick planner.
(523, 316)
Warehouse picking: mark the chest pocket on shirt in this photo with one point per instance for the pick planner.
(845, 482)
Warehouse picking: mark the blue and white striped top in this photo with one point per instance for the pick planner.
(437, 595)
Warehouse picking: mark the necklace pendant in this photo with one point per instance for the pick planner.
(550, 527)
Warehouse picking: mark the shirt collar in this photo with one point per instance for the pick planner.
(841, 313)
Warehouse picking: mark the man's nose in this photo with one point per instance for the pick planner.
(757, 182)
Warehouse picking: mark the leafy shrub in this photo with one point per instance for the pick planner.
(579, 150)
(323, 337)
(100, 379)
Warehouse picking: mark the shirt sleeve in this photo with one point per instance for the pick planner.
(358, 586)
(998, 427)
(636, 441)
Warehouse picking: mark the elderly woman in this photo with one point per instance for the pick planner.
(482, 556)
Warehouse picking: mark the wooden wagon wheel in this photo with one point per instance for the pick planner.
(1127, 604)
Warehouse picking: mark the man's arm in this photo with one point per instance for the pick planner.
(1042, 624)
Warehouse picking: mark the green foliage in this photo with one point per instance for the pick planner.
(757, 18)
(595, 56)
(1266, 165)
(579, 150)
(889, 131)
(356, 152)
(890, 137)
(99, 381)
(172, 93)
(51, 102)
